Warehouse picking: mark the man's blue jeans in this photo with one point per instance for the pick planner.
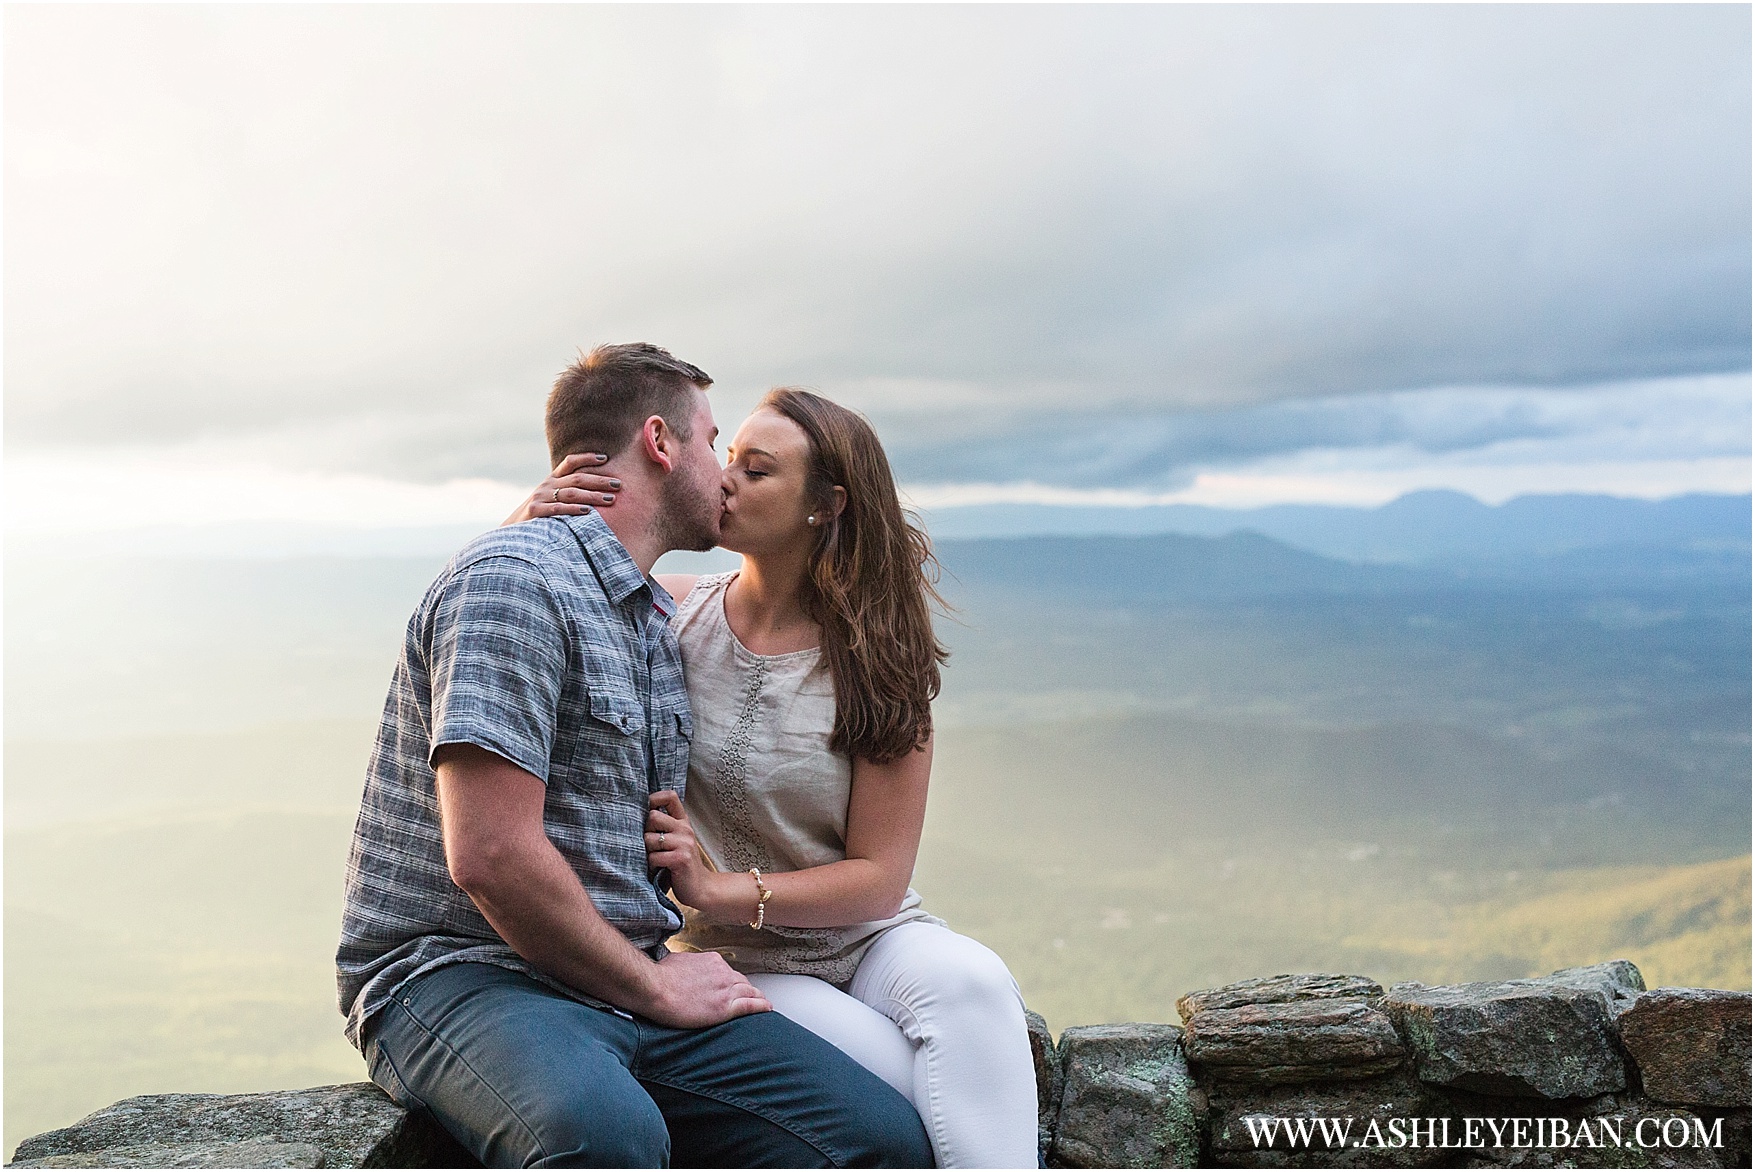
(524, 1077)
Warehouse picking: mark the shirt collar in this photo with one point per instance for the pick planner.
(662, 602)
(615, 567)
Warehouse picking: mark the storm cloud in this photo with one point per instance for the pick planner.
(366, 238)
(1164, 451)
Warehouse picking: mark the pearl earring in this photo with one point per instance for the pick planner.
(811, 520)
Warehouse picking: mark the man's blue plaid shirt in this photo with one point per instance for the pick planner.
(543, 643)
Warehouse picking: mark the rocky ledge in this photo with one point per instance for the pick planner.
(1583, 1068)
(350, 1126)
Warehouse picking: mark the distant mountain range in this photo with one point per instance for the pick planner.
(1423, 542)
(1165, 565)
(1419, 528)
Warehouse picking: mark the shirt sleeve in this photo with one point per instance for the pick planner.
(496, 659)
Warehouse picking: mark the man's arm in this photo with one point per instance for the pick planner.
(491, 814)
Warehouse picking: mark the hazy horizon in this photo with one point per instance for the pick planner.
(1430, 772)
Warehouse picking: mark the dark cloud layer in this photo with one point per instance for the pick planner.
(1165, 451)
(378, 231)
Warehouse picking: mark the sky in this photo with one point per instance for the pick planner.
(321, 263)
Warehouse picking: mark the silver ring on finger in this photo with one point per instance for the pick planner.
(661, 840)
(557, 496)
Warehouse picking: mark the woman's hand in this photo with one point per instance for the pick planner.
(569, 489)
(671, 844)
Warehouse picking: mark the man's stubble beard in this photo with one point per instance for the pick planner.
(688, 513)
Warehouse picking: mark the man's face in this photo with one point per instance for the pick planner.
(691, 496)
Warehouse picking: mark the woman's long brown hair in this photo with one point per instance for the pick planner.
(870, 585)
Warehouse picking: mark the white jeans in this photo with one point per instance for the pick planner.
(937, 1016)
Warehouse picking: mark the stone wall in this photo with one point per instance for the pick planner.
(1588, 1060)
(1569, 1070)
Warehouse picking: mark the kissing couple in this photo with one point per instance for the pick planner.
(630, 881)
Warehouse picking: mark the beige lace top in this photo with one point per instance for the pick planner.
(764, 789)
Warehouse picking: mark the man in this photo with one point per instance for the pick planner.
(502, 958)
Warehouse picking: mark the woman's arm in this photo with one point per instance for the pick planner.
(677, 585)
(568, 490)
(885, 813)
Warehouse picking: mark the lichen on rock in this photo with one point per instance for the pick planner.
(1551, 1037)
(1126, 1101)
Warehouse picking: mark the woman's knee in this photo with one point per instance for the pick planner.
(956, 971)
(986, 974)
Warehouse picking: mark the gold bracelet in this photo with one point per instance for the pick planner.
(763, 895)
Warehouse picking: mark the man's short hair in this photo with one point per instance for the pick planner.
(599, 402)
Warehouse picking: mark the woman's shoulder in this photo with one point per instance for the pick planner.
(682, 586)
(691, 591)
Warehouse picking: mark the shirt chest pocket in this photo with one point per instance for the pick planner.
(609, 759)
(618, 711)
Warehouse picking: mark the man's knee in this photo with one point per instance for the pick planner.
(817, 1106)
(895, 1134)
(597, 1131)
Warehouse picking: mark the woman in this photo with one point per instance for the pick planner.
(811, 672)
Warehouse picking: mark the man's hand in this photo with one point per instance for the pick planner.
(697, 989)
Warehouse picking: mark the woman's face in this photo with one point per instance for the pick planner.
(765, 507)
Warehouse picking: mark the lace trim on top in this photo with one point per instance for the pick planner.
(730, 778)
